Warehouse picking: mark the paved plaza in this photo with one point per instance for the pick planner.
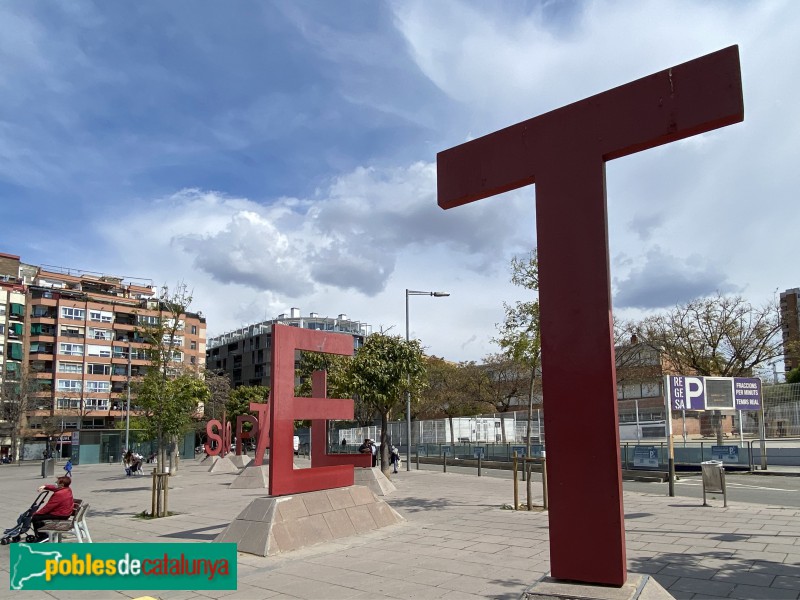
(457, 541)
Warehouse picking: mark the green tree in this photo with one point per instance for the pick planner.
(17, 389)
(793, 376)
(520, 336)
(502, 382)
(452, 390)
(381, 372)
(169, 392)
(240, 398)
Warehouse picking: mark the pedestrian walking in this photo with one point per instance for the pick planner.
(395, 458)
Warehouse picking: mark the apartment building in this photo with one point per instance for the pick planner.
(246, 353)
(72, 339)
(790, 317)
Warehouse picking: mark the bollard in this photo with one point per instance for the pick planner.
(516, 485)
(479, 464)
(417, 459)
(544, 482)
(528, 485)
(444, 461)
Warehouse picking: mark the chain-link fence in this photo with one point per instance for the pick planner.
(781, 416)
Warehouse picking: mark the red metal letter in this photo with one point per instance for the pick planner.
(285, 408)
(262, 408)
(564, 153)
(212, 436)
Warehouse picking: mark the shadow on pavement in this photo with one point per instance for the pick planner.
(196, 534)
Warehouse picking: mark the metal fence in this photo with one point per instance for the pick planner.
(781, 416)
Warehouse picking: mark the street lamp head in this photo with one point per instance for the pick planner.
(439, 294)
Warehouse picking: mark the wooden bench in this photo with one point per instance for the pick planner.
(76, 525)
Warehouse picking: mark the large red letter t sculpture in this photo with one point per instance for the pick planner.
(564, 153)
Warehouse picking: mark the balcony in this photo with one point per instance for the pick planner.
(41, 366)
(125, 319)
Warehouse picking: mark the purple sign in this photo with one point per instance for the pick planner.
(713, 393)
(686, 393)
(747, 393)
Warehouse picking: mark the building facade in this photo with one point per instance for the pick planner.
(71, 342)
(245, 354)
(790, 318)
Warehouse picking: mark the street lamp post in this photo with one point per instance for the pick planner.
(408, 377)
(128, 405)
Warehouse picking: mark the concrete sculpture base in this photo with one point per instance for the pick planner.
(270, 526)
(240, 460)
(223, 465)
(638, 587)
(375, 480)
(252, 477)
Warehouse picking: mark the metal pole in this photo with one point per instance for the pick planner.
(516, 484)
(128, 405)
(408, 400)
(762, 430)
(671, 447)
(636, 404)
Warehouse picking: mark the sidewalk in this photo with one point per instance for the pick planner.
(456, 543)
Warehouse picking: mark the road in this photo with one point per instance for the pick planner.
(769, 490)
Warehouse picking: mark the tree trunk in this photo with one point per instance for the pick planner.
(716, 420)
(15, 446)
(502, 428)
(175, 457)
(452, 430)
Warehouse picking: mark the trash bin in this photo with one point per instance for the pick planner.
(714, 480)
(48, 467)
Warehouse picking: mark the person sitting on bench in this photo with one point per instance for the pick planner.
(58, 508)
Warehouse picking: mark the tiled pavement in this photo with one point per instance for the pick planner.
(457, 541)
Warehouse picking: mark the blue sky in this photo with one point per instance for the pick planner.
(282, 154)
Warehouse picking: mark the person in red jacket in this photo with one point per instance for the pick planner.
(58, 507)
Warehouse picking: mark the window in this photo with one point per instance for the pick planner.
(99, 350)
(194, 329)
(71, 349)
(170, 322)
(98, 386)
(100, 334)
(96, 404)
(69, 367)
(177, 356)
(148, 321)
(176, 341)
(68, 312)
(17, 310)
(69, 385)
(71, 331)
(193, 345)
(98, 369)
(2, 329)
(193, 360)
(101, 315)
(94, 423)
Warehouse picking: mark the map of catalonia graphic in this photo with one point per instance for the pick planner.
(30, 564)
